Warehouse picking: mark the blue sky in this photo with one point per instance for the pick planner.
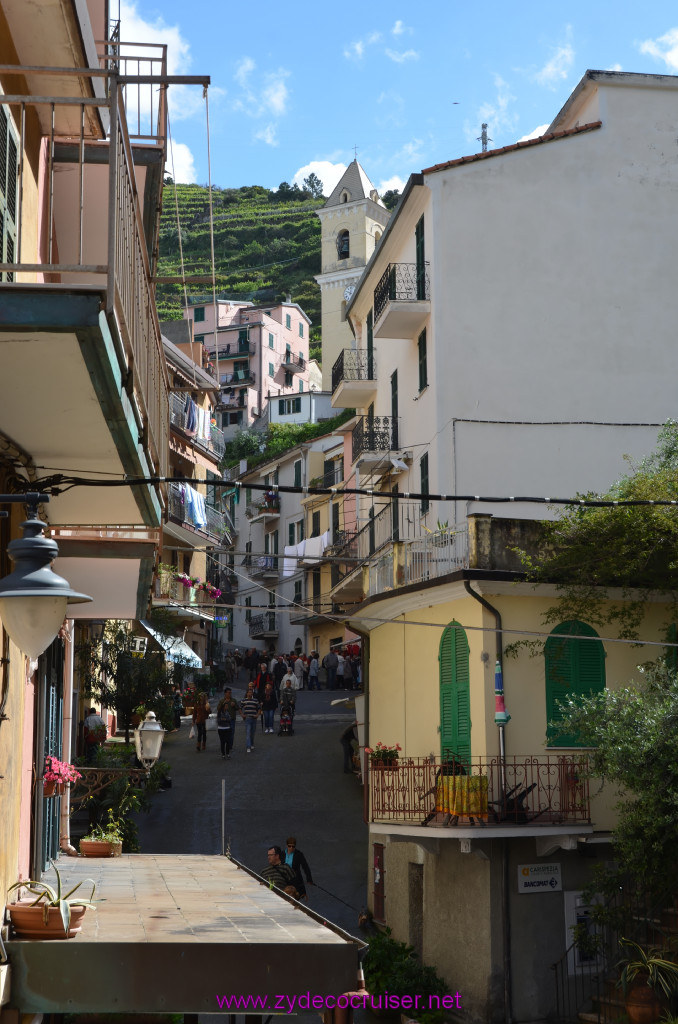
(296, 87)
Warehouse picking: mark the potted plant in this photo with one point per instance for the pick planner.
(103, 840)
(648, 979)
(57, 775)
(383, 755)
(48, 913)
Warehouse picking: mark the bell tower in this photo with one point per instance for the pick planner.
(352, 222)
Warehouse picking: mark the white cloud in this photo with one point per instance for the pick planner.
(263, 99)
(399, 29)
(535, 134)
(328, 172)
(180, 164)
(410, 153)
(267, 135)
(394, 182)
(497, 115)
(401, 56)
(557, 68)
(356, 49)
(616, 67)
(664, 48)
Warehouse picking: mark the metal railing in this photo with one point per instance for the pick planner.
(353, 365)
(518, 790)
(266, 623)
(178, 510)
(76, 251)
(264, 565)
(374, 434)
(235, 350)
(435, 554)
(179, 417)
(264, 507)
(236, 378)
(169, 588)
(401, 282)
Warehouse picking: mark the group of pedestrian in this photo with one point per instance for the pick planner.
(343, 668)
(284, 869)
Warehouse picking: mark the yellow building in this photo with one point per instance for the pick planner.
(486, 828)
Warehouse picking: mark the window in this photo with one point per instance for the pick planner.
(301, 329)
(288, 406)
(291, 534)
(243, 340)
(270, 340)
(289, 378)
(301, 391)
(9, 167)
(455, 694)
(301, 531)
(271, 370)
(288, 321)
(573, 668)
(315, 524)
(297, 473)
(248, 496)
(248, 606)
(199, 314)
(343, 245)
(423, 374)
(297, 592)
(369, 324)
(423, 471)
(335, 519)
(200, 339)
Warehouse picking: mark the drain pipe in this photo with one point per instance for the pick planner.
(501, 719)
(66, 634)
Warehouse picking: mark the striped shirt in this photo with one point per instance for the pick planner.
(250, 707)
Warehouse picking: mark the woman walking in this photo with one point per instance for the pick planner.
(201, 713)
(269, 704)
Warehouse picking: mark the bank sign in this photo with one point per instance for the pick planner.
(539, 878)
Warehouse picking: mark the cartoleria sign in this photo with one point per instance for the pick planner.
(539, 878)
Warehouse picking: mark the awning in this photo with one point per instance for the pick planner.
(174, 647)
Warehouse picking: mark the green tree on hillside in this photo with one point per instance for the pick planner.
(314, 185)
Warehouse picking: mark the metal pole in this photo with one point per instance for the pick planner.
(223, 817)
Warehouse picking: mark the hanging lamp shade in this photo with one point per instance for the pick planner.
(33, 599)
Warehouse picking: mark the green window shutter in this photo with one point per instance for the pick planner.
(420, 256)
(270, 340)
(423, 373)
(455, 694)
(297, 402)
(423, 471)
(573, 668)
(370, 346)
(290, 534)
(281, 406)
(271, 370)
(297, 473)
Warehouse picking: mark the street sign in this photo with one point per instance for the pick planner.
(539, 878)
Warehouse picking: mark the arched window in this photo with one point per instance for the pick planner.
(573, 668)
(343, 246)
(345, 197)
(455, 694)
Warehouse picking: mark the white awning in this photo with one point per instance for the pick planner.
(174, 647)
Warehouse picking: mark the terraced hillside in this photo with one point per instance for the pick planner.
(266, 244)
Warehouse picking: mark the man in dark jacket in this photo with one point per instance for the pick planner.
(278, 874)
(295, 859)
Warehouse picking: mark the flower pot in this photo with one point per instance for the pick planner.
(642, 1005)
(29, 921)
(52, 788)
(99, 848)
(388, 764)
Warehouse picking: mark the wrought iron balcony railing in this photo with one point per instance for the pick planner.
(353, 365)
(401, 282)
(374, 434)
(264, 565)
(293, 359)
(236, 378)
(179, 417)
(180, 510)
(169, 588)
(263, 625)
(518, 790)
(236, 350)
(267, 506)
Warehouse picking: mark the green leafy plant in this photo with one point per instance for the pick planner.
(47, 896)
(650, 966)
(112, 831)
(394, 966)
(382, 752)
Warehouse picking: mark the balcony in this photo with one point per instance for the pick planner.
(237, 378)
(418, 560)
(373, 437)
(354, 379)
(314, 612)
(264, 567)
(182, 512)
(266, 510)
(185, 603)
(236, 350)
(401, 301)
(182, 418)
(293, 361)
(523, 794)
(265, 625)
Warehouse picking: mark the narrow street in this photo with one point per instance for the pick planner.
(289, 785)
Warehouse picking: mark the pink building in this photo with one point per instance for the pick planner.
(260, 353)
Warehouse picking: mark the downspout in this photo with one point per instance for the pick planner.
(505, 908)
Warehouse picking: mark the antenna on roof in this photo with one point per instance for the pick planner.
(483, 138)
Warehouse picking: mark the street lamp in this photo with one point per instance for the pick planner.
(33, 599)
(148, 741)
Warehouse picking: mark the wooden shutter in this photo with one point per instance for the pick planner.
(420, 258)
(370, 346)
(455, 694)
(423, 372)
(573, 668)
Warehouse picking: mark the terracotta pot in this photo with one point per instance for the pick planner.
(392, 763)
(642, 1004)
(29, 922)
(99, 848)
(51, 788)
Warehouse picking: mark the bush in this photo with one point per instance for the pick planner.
(394, 966)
